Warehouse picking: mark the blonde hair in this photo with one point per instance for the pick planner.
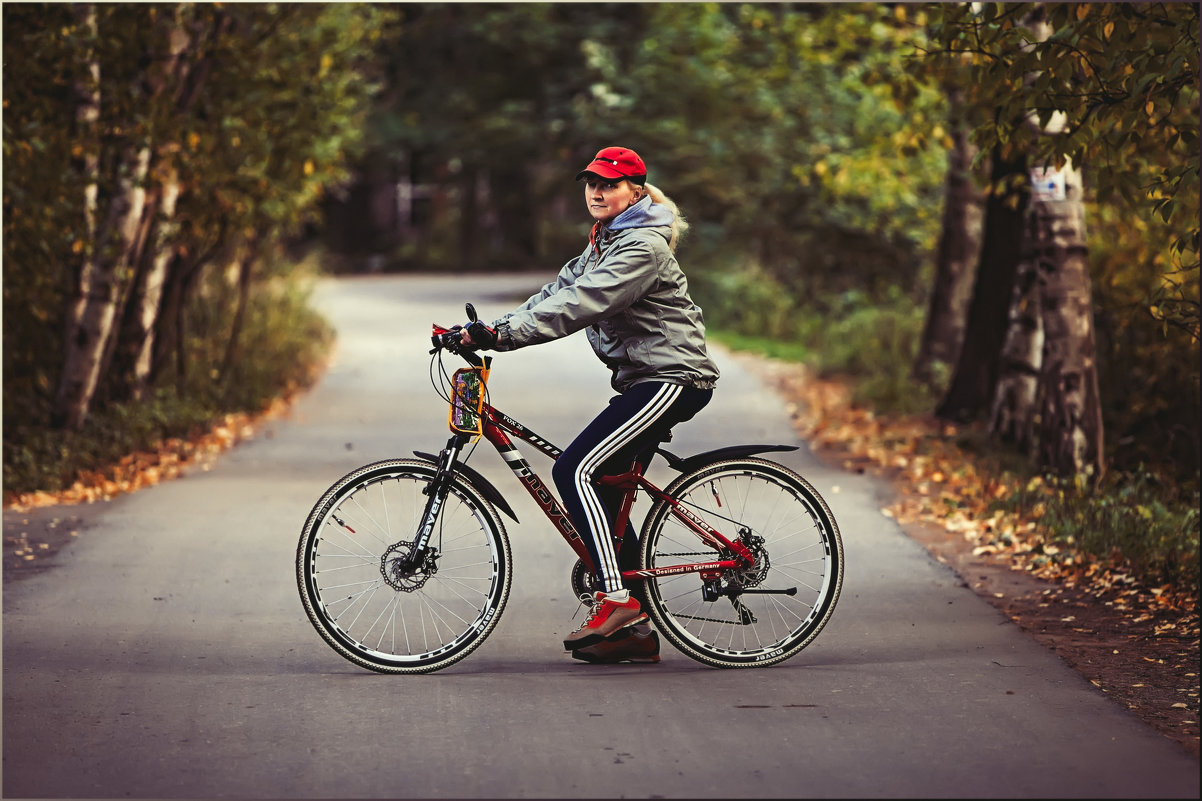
(679, 224)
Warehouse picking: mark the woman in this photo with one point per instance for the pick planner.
(631, 297)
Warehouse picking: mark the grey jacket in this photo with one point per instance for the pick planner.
(630, 294)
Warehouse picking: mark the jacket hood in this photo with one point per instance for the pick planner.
(643, 214)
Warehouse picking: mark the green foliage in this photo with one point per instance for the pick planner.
(1151, 525)
(777, 123)
(748, 301)
(258, 124)
(284, 107)
(764, 346)
(286, 342)
(1148, 369)
(875, 342)
(773, 123)
(870, 340)
(1114, 89)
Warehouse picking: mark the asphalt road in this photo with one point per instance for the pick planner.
(167, 654)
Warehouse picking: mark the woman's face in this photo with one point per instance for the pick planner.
(608, 199)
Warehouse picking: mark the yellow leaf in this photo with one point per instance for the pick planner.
(1149, 107)
(1107, 30)
(1082, 11)
(308, 167)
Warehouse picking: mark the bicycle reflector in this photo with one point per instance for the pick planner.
(467, 400)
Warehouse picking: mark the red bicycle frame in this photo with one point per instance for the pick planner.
(497, 426)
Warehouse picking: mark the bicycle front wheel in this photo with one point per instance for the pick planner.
(377, 602)
(768, 612)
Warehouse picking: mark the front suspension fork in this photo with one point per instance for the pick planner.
(437, 490)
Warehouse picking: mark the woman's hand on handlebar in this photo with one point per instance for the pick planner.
(478, 336)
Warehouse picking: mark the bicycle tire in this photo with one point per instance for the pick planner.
(416, 622)
(801, 549)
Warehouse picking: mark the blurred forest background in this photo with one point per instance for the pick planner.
(987, 213)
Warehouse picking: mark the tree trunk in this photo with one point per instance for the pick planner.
(95, 313)
(87, 121)
(170, 77)
(170, 339)
(956, 260)
(245, 264)
(1013, 415)
(971, 392)
(92, 313)
(1047, 398)
(114, 384)
(151, 297)
(469, 218)
(1069, 429)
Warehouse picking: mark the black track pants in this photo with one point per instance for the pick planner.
(633, 422)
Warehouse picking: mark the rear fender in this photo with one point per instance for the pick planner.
(732, 452)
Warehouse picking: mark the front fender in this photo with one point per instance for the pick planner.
(479, 482)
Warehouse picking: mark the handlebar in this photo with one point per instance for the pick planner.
(451, 339)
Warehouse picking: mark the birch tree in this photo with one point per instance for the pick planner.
(187, 126)
(1121, 80)
(108, 247)
(1046, 398)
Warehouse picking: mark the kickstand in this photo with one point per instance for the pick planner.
(745, 615)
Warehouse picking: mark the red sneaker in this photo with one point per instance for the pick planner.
(610, 613)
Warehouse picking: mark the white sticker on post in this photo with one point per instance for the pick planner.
(1047, 184)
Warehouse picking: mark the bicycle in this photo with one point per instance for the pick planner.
(403, 565)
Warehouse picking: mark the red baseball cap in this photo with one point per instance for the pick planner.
(614, 163)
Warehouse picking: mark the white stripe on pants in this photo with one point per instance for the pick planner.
(608, 571)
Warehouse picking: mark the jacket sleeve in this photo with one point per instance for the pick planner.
(627, 272)
(564, 278)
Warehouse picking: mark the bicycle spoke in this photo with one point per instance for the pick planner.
(773, 607)
(379, 602)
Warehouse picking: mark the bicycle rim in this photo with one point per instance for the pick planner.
(752, 622)
(402, 621)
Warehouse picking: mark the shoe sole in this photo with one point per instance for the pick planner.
(634, 660)
(593, 639)
(620, 636)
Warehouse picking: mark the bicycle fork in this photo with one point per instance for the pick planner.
(437, 490)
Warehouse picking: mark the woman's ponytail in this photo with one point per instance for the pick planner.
(679, 224)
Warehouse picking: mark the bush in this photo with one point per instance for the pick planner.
(1138, 518)
(284, 342)
(873, 341)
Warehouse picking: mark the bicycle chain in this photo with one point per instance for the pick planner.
(710, 620)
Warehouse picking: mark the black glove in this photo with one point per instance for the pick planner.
(483, 337)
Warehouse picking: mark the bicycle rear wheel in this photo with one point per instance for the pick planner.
(377, 603)
(766, 613)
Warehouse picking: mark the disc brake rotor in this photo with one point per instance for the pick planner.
(400, 574)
